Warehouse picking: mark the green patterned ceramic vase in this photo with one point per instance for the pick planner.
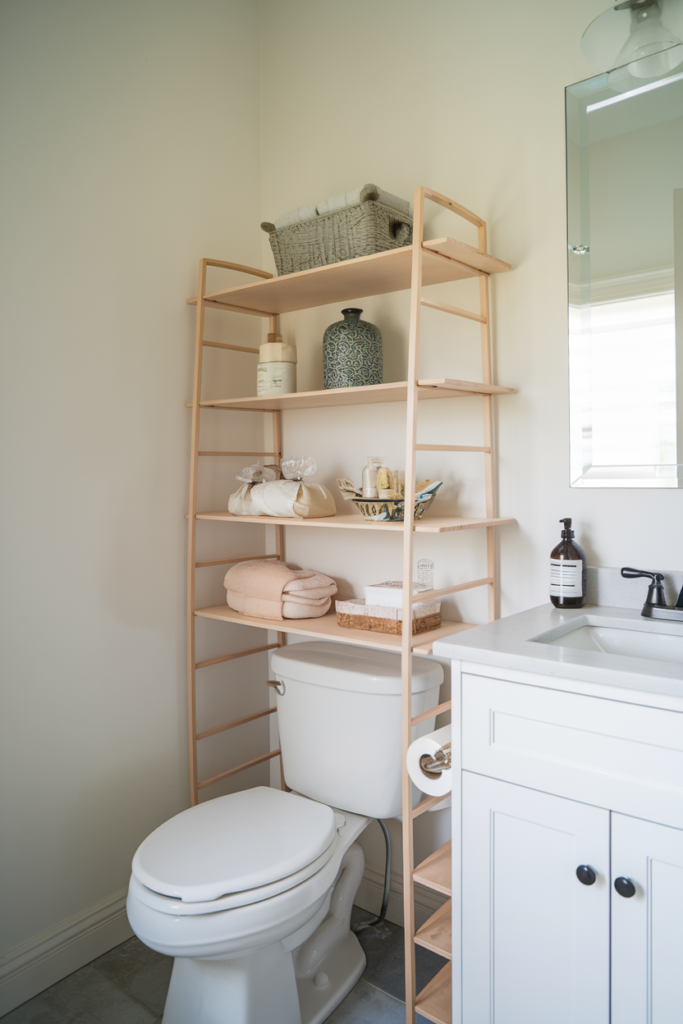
(352, 352)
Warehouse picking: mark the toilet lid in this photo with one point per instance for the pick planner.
(233, 843)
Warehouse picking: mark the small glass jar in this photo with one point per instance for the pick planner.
(369, 480)
(425, 573)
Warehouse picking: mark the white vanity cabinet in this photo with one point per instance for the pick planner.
(647, 929)
(535, 940)
(558, 775)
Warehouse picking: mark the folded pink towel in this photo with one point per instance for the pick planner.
(276, 590)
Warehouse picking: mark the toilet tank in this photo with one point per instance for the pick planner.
(339, 720)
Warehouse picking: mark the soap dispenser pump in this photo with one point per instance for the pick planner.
(568, 571)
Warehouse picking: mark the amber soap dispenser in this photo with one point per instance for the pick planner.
(568, 571)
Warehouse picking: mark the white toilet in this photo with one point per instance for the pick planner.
(252, 892)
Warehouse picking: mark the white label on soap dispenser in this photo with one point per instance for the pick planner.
(566, 577)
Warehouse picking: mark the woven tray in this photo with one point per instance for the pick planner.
(393, 626)
(354, 615)
(359, 230)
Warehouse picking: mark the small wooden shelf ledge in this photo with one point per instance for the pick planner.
(327, 628)
(436, 933)
(444, 259)
(435, 872)
(355, 521)
(442, 387)
(435, 1001)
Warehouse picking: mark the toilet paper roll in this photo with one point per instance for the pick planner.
(432, 784)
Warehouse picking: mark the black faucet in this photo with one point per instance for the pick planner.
(655, 606)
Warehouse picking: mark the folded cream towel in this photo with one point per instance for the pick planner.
(259, 608)
(276, 590)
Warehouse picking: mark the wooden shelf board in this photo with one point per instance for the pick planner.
(436, 932)
(378, 274)
(435, 1001)
(355, 521)
(443, 387)
(463, 253)
(327, 628)
(435, 871)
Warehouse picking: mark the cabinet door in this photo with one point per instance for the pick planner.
(535, 939)
(647, 928)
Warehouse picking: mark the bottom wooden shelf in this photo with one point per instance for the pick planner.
(436, 933)
(435, 1001)
(326, 628)
(435, 871)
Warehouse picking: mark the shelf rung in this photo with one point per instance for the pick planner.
(231, 561)
(427, 804)
(455, 310)
(451, 448)
(232, 657)
(431, 595)
(241, 268)
(233, 348)
(238, 453)
(436, 933)
(235, 722)
(222, 408)
(438, 710)
(435, 872)
(239, 768)
(435, 1001)
(214, 304)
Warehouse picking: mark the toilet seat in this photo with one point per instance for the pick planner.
(233, 851)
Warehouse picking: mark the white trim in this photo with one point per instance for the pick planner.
(50, 956)
(371, 890)
(625, 286)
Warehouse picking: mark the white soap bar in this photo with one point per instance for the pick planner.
(389, 594)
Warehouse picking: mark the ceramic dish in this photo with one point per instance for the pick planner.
(383, 511)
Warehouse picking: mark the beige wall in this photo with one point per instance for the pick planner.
(130, 149)
(131, 135)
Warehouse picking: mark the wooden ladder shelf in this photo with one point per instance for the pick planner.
(414, 266)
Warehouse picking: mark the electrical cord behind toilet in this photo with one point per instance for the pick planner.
(387, 883)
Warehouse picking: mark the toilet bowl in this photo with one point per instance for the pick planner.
(251, 893)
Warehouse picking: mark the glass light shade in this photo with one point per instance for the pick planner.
(649, 46)
(622, 36)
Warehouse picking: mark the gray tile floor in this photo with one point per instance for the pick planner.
(128, 986)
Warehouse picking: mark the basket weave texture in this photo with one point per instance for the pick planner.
(346, 234)
(392, 626)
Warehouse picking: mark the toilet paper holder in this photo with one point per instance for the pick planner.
(439, 762)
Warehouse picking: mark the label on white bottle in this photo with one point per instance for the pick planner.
(566, 577)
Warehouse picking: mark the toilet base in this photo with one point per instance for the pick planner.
(342, 968)
(288, 982)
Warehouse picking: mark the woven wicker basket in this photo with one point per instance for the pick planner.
(359, 230)
(356, 614)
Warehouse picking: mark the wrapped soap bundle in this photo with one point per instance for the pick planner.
(276, 590)
(282, 491)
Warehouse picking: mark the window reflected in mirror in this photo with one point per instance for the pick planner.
(625, 258)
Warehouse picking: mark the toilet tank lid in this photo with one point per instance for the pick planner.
(234, 843)
(346, 667)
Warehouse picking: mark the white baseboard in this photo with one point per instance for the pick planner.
(47, 958)
(371, 891)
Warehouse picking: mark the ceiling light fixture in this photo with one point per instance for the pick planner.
(643, 38)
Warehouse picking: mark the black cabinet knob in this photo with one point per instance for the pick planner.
(625, 887)
(585, 874)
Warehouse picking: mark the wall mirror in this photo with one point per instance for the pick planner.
(625, 270)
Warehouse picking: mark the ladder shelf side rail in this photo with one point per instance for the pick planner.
(192, 564)
(442, 983)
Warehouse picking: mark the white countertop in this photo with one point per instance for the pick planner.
(508, 643)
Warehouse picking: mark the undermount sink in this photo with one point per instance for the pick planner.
(624, 641)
